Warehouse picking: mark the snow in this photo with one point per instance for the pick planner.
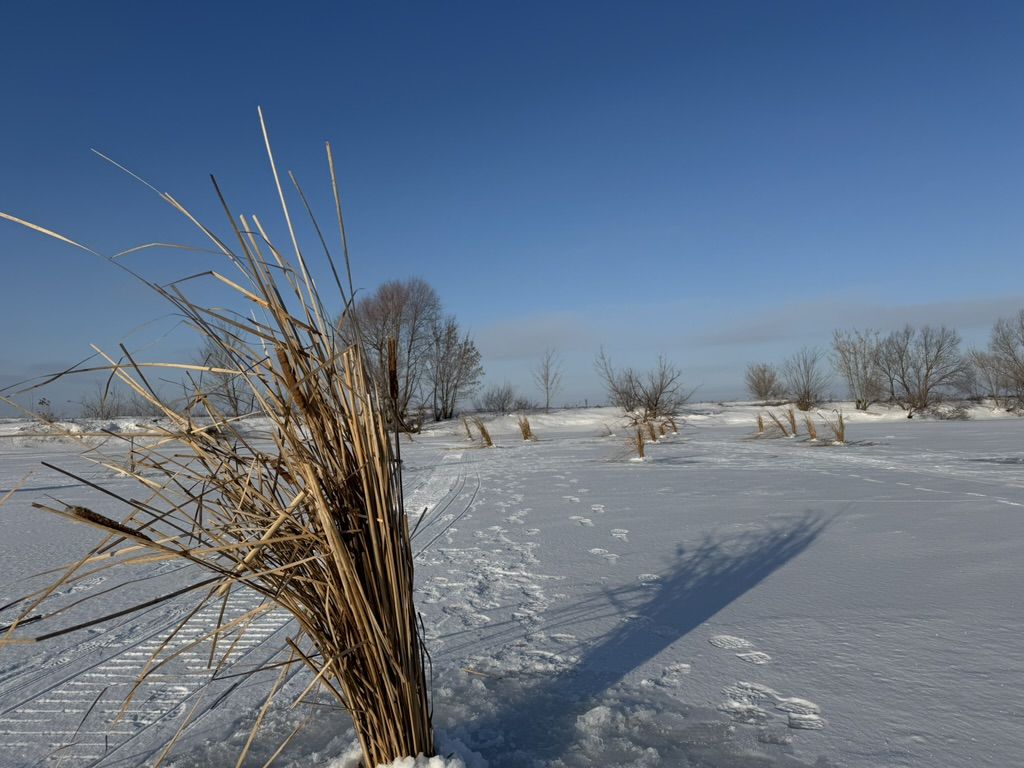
(730, 601)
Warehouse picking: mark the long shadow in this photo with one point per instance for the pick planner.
(540, 720)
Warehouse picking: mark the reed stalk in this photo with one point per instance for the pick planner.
(309, 513)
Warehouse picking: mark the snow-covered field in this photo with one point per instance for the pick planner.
(727, 602)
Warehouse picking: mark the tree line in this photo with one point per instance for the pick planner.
(913, 368)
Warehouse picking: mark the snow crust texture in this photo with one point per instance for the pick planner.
(731, 602)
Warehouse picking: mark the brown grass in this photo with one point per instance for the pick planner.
(525, 429)
(812, 431)
(637, 442)
(791, 418)
(778, 423)
(837, 425)
(469, 432)
(310, 515)
(760, 424)
(485, 436)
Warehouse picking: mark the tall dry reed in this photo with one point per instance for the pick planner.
(310, 515)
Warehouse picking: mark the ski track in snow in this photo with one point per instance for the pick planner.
(95, 677)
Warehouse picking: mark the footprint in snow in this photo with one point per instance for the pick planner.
(743, 704)
(730, 642)
(573, 499)
(620, 533)
(609, 556)
(598, 508)
(583, 520)
(754, 657)
(648, 578)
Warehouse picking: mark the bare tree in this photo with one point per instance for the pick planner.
(651, 394)
(548, 375)
(763, 381)
(453, 369)
(805, 380)
(407, 311)
(1006, 351)
(857, 356)
(895, 354)
(225, 387)
(989, 378)
(923, 365)
(105, 402)
(502, 398)
(621, 386)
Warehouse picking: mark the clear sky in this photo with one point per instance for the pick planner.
(719, 182)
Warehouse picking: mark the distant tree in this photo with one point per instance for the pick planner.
(650, 394)
(763, 381)
(502, 398)
(1006, 354)
(405, 310)
(805, 380)
(548, 375)
(621, 385)
(924, 364)
(224, 385)
(453, 370)
(105, 402)
(857, 355)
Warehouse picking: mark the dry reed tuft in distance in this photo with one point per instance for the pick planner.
(485, 436)
(308, 513)
(812, 432)
(791, 418)
(525, 428)
(837, 425)
(760, 424)
(637, 442)
(778, 423)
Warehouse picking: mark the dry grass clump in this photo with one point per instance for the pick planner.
(791, 418)
(837, 425)
(525, 429)
(778, 423)
(636, 442)
(760, 424)
(485, 436)
(311, 517)
(465, 425)
(812, 431)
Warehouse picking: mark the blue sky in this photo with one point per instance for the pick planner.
(718, 182)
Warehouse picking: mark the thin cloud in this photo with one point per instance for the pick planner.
(798, 321)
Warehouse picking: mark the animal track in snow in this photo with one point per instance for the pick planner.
(730, 642)
(598, 508)
(583, 520)
(573, 499)
(620, 533)
(532, 531)
(754, 657)
(648, 578)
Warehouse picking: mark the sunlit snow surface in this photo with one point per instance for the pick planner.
(727, 602)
